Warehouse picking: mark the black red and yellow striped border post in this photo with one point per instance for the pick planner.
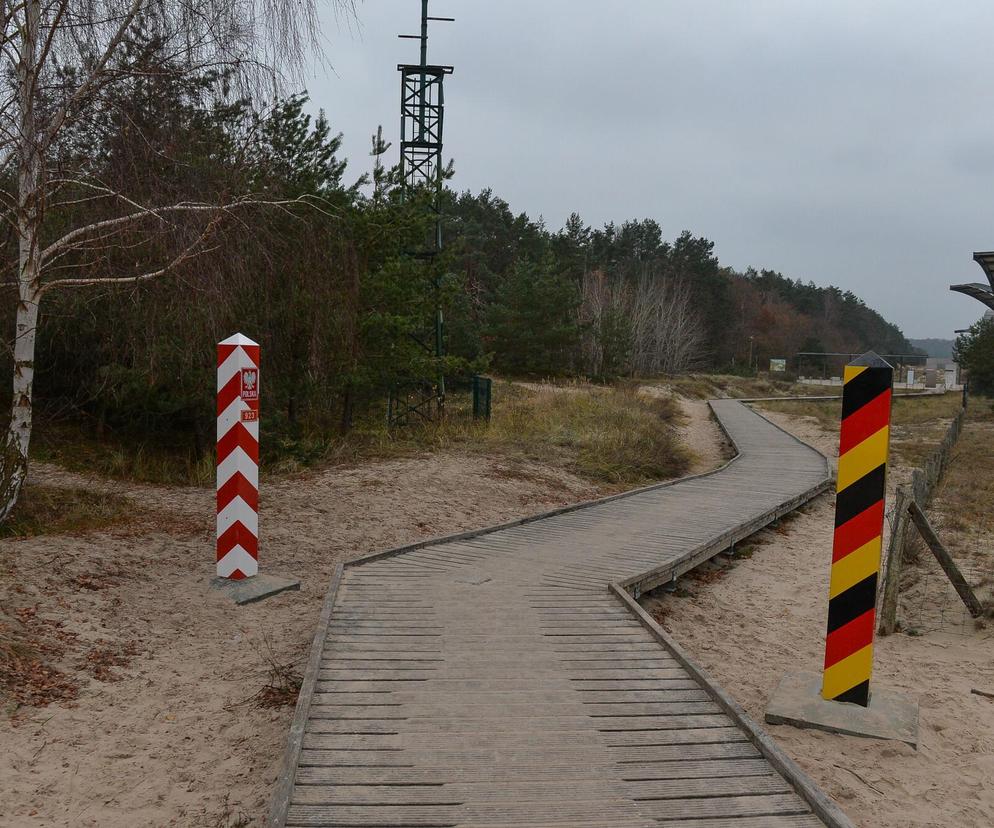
(864, 440)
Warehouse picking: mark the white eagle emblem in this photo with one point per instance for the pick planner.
(250, 384)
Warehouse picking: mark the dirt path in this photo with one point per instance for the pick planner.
(164, 730)
(698, 432)
(765, 615)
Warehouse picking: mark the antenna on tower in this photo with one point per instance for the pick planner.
(422, 107)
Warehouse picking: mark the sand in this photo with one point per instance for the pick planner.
(697, 430)
(765, 615)
(173, 737)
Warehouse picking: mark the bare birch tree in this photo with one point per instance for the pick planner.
(596, 298)
(666, 333)
(63, 60)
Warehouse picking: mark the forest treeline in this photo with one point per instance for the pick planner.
(324, 279)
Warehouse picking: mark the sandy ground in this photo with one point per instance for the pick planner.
(764, 615)
(701, 434)
(170, 735)
(698, 431)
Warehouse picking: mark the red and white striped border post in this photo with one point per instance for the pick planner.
(237, 458)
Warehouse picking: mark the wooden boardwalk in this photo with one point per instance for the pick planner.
(495, 679)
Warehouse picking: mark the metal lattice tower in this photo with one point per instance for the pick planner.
(422, 108)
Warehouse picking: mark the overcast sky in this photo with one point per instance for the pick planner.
(843, 141)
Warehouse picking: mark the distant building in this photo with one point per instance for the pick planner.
(946, 372)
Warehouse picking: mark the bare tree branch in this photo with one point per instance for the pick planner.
(160, 213)
(190, 252)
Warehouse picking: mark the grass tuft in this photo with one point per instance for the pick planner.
(49, 510)
(73, 446)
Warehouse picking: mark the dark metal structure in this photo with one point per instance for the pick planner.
(422, 110)
(482, 395)
(978, 290)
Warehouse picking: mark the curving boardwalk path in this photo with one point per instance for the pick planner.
(495, 680)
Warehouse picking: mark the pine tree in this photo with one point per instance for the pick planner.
(974, 351)
(532, 326)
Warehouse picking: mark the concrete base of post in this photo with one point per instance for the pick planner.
(256, 588)
(798, 702)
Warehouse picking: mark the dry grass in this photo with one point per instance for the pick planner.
(711, 386)
(607, 435)
(48, 510)
(963, 501)
(825, 412)
(603, 434)
(918, 424)
(283, 680)
(72, 446)
(917, 410)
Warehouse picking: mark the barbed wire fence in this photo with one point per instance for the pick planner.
(914, 584)
(929, 603)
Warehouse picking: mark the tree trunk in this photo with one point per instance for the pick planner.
(14, 461)
(348, 403)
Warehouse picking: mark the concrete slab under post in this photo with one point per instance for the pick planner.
(798, 701)
(256, 588)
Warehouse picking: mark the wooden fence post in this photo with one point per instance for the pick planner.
(895, 561)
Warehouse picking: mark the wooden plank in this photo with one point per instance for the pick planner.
(567, 812)
(447, 741)
(657, 791)
(611, 729)
(779, 821)
(620, 756)
(479, 793)
(635, 772)
(724, 807)
(599, 713)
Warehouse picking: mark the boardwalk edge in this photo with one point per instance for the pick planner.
(288, 771)
(821, 804)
